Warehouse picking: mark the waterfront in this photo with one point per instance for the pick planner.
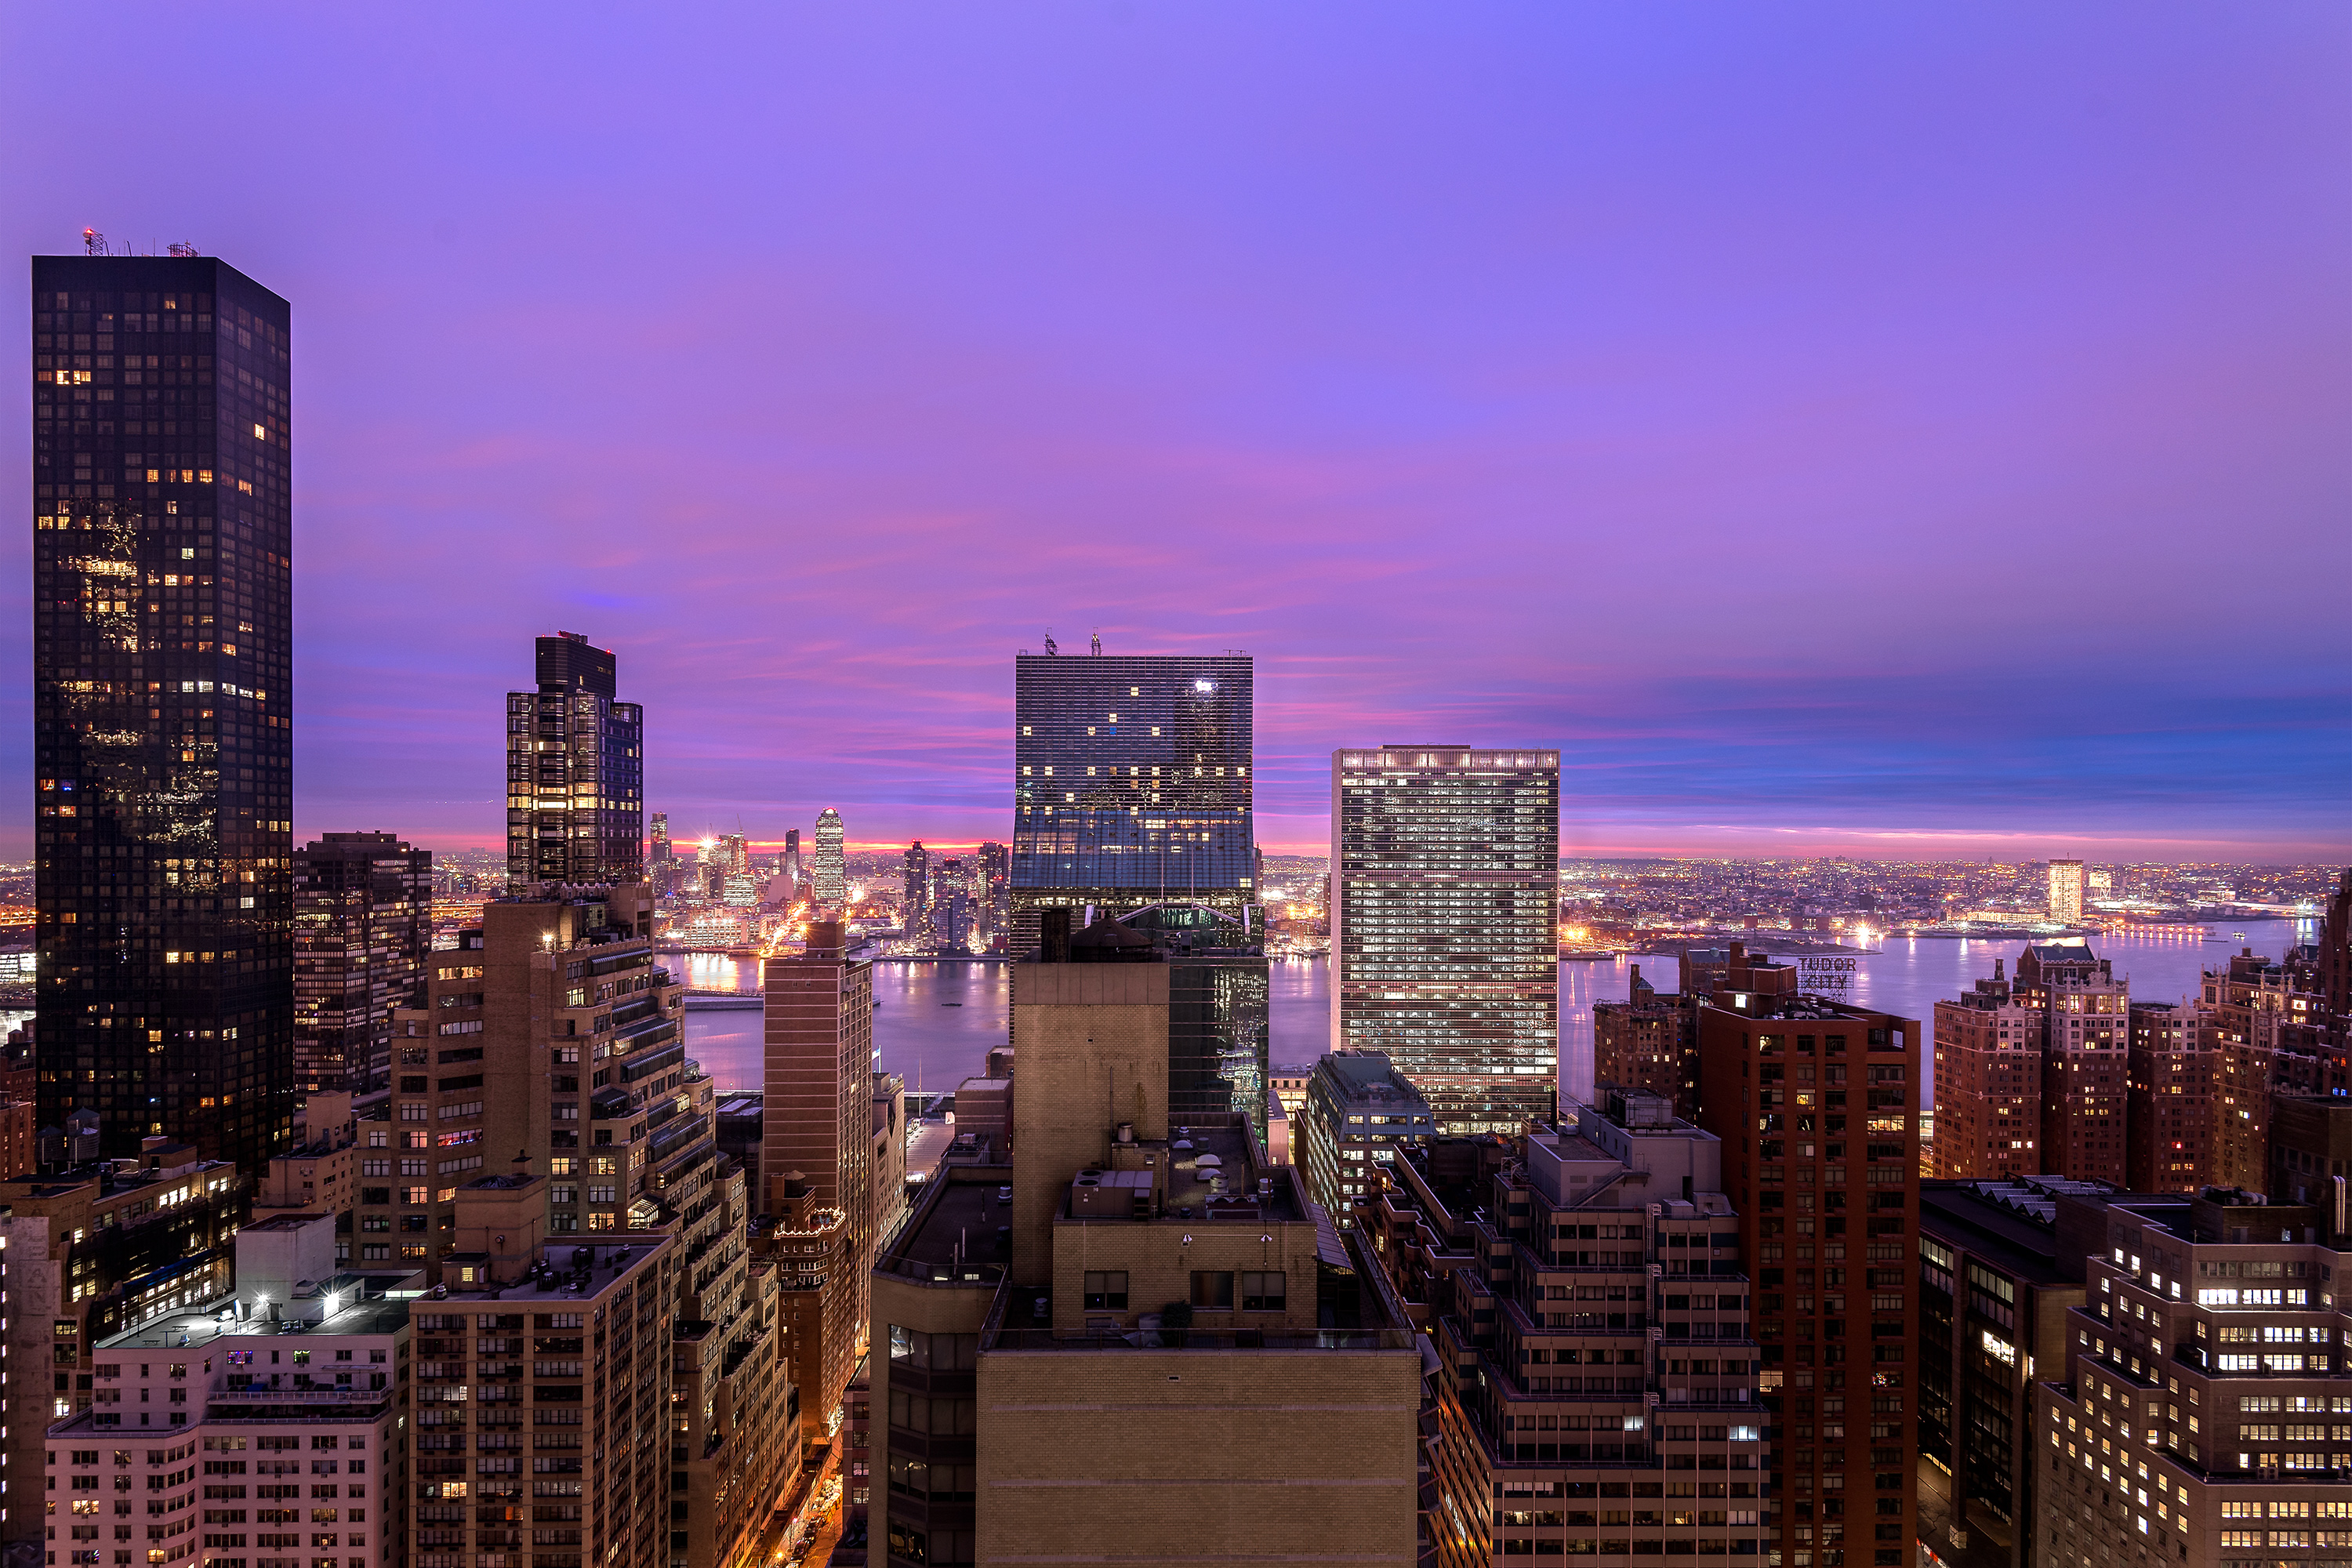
(935, 1022)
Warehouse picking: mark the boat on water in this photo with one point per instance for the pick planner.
(951, 1003)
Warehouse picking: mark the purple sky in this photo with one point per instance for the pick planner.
(1908, 430)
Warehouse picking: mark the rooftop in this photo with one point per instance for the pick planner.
(1369, 1077)
(1573, 1146)
(2013, 1223)
(1230, 1154)
(959, 1231)
(379, 1305)
(568, 1270)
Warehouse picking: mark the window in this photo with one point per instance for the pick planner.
(1262, 1292)
(943, 1352)
(1213, 1288)
(941, 1417)
(1106, 1293)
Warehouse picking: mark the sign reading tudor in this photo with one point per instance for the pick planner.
(1829, 974)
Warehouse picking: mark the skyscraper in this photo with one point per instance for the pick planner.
(831, 886)
(660, 860)
(992, 865)
(791, 868)
(1445, 925)
(2066, 892)
(576, 773)
(1130, 784)
(1816, 1103)
(815, 1154)
(915, 897)
(162, 702)
(363, 929)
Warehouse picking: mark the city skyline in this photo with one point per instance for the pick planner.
(1534, 374)
(1420, 515)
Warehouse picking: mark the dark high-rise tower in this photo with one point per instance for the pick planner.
(576, 773)
(163, 756)
(1130, 785)
(362, 938)
(915, 903)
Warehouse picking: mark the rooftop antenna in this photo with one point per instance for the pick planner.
(1050, 648)
(92, 242)
(182, 248)
(1098, 642)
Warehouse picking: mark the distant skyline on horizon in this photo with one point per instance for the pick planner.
(1919, 438)
(2013, 853)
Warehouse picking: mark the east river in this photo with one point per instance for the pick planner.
(934, 1023)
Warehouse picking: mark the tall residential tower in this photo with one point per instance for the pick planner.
(828, 876)
(1130, 785)
(576, 773)
(362, 931)
(815, 1158)
(163, 757)
(1445, 925)
(2066, 892)
(1817, 1106)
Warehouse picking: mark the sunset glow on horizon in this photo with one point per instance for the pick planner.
(1917, 439)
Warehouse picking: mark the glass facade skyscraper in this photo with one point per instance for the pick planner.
(1218, 1037)
(162, 434)
(1131, 784)
(576, 773)
(1444, 924)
